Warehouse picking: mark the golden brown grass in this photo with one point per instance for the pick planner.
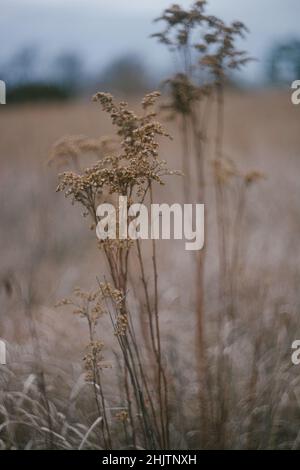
(47, 251)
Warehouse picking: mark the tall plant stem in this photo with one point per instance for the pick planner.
(162, 382)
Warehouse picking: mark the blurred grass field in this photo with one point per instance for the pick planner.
(47, 250)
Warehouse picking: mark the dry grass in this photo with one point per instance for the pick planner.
(47, 251)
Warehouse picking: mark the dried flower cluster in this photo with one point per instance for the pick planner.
(225, 170)
(207, 49)
(133, 169)
(93, 305)
(71, 148)
(93, 359)
(86, 304)
(130, 171)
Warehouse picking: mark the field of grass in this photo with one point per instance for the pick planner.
(252, 389)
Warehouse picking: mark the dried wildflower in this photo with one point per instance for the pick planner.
(122, 416)
(224, 170)
(86, 304)
(71, 148)
(180, 24)
(193, 30)
(183, 94)
(253, 176)
(129, 172)
(221, 53)
(150, 99)
(93, 359)
(63, 302)
(121, 324)
(110, 292)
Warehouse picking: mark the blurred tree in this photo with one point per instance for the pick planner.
(125, 75)
(21, 68)
(37, 92)
(284, 62)
(68, 70)
(30, 81)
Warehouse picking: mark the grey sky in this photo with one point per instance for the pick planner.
(102, 29)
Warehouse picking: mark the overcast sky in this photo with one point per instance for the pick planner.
(102, 29)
